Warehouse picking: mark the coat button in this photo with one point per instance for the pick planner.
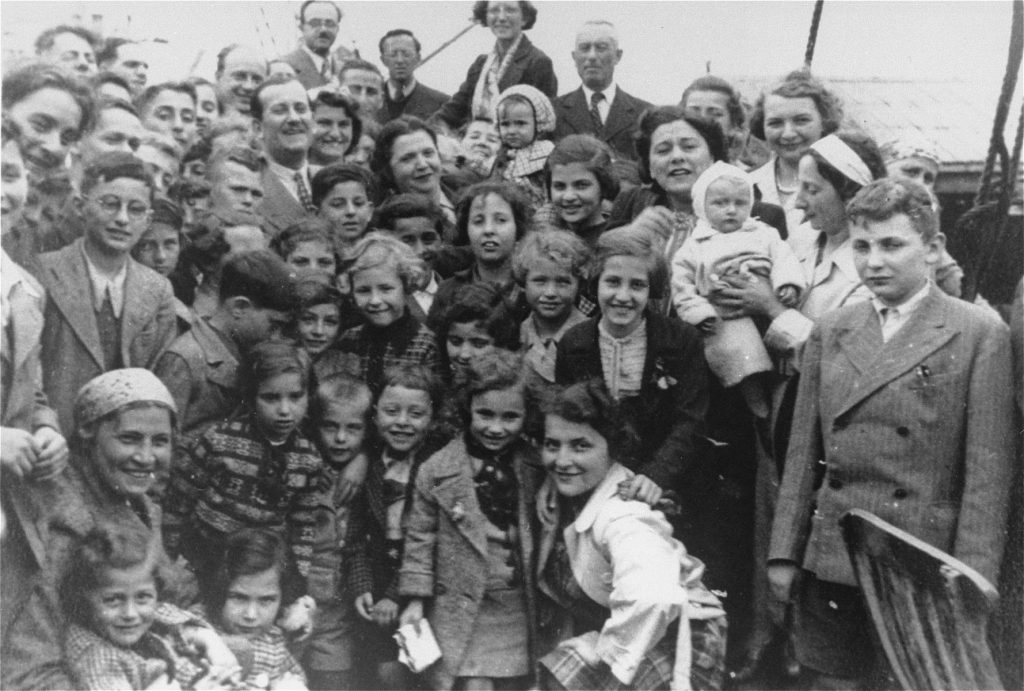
(903, 431)
(900, 493)
(835, 483)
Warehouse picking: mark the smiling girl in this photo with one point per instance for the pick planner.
(580, 177)
(383, 272)
(469, 541)
(493, 216)
(122, 635)
(653, 365)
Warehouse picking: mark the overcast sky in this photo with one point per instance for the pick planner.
(672, 41)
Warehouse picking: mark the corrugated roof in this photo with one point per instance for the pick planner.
(956, 115)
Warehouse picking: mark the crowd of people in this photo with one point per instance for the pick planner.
(308, 365)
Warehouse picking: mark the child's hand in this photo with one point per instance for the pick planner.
(385, 612)
(641, 488)
(352, 478)
(212, 647)
(412, 614)
(788, 295)
(707, 327)
(297, 618)
(364, 606)
(288, 682)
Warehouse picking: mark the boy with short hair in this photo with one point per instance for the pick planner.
(905, 399)
(256, 299)
(104, 310)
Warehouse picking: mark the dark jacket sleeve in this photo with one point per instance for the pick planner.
(456, 111)
(687, 409)
(628, 206)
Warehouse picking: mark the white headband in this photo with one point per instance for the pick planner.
(844, 159)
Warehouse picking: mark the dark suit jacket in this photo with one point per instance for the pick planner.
(668, 415)
(305, 70)
(279, 209)
(573, 114)
(529, 66)
(422, 102)
(919, 431)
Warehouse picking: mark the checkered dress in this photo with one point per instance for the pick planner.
(406, 341)
(96, 663)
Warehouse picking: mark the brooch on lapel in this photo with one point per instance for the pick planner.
(662, 379)
(458, 511)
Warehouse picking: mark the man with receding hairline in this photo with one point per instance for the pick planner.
(599, 107)
(312, 61)
(403, 94)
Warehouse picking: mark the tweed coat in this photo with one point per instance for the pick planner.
(573, 113)
(445, 555)
(72, 353)
(529, 65)
(918, 430)
(668, 415)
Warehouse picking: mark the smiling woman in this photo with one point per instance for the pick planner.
(125, 421)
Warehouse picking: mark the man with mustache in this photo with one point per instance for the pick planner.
(283, 119)
(312, 61)
(403, 95)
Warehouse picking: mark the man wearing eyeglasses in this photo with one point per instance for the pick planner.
(104, 310)
(312, 61)
(403, 95)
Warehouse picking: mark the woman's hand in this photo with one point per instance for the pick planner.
(18, 451)
(412, 614)
(586, 647)
(745, 296)
(364, 606)
(656, 219)
(641, 488)
(297, 619)
(53, 453)
(385, 612)
(352, 478)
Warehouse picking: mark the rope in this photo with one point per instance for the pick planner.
(453, 39)
(996, 143)
(812, 38)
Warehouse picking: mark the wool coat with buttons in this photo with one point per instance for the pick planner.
(919, 431)
(445, 556)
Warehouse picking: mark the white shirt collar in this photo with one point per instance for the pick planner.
(905, 309)
(102, 282)
(609, 93)
(318, 60)
(287, 176)
(393, 89)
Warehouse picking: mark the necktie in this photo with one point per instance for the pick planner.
(304, 198)
(595, 111)
(109, 327)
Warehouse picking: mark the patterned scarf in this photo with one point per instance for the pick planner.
(496, 489)
(487, 89)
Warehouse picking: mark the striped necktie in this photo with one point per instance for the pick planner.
(304, 197)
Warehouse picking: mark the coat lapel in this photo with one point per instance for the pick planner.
(137, 303)
(456, 496)
(279, 207)
(71, 292)
(575, 112)
(28, 328)
(516, 70)
(622, 115)
(924, 333)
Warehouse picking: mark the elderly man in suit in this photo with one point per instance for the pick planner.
(403, 94)
(312, 61)
(599, 107)
(283, 118)
(104, 310)
(905, 400)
